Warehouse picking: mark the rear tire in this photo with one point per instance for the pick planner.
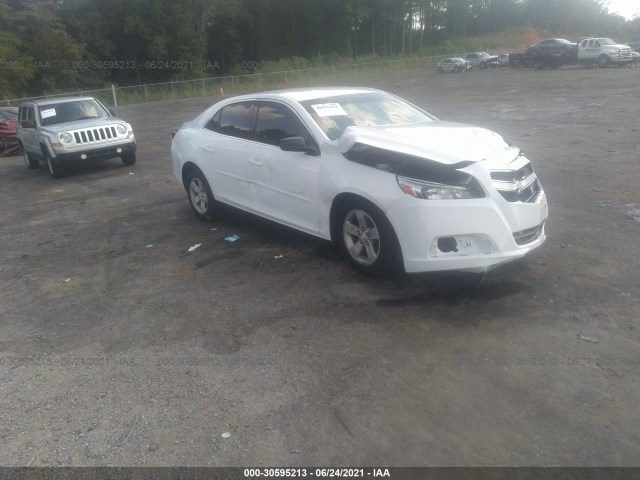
(31, 163)
(200, 195)
(367, 238)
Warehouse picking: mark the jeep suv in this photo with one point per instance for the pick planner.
(64, 131)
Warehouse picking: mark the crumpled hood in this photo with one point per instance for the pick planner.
(444, 142)
(82, 124)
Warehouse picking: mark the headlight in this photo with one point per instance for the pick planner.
(121, 129)
(65, 137)
(432, 191)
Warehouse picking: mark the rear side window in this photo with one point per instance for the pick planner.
(277, 121)
(235, 120)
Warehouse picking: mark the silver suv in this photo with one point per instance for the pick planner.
(64, 131)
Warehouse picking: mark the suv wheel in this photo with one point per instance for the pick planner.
(31, 163)
(129, 158)
(54, 169)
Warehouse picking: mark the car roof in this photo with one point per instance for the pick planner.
(49, 101)
(303, 94)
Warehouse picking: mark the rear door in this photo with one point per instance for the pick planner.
(27, 135)
(221, 147)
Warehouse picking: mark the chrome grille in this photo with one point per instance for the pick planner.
(519, 185)
(527, 195)
(528, 235)
(512, 175)
(95, 135)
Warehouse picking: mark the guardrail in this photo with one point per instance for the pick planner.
(249, 83)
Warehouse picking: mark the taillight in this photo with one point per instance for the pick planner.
(173, 133)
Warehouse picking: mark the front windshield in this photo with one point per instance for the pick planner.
(334, 114)
(54, 113)
(606, 41)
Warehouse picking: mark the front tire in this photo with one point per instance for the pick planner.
(54, 169)
(31, 163)
(603, 61)
(200, 195)
(129, 158)
(367, 238)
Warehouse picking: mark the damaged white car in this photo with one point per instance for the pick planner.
(387, 182)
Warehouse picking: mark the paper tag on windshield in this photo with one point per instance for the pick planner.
(328, 109)
(49, 112)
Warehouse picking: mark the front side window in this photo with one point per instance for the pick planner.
(277, 121)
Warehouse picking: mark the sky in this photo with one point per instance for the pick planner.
(626, 8)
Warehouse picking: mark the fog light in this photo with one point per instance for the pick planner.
(460, 245)
(83, 156)
(119, 150)
(447, 244)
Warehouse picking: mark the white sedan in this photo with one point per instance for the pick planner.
(387, 182)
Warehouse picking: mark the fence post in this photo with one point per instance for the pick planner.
(233, 86)
(173, 92)
(310, 81)
(259, 82)
(355, 71)
(334, 74)
(204, 91)
(113, 92)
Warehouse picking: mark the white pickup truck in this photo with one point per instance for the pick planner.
(603, 52)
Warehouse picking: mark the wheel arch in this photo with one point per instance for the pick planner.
(345, 198)
(187, 168)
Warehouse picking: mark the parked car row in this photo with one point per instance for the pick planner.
(480, 60)
(554, 52)
(388, 183)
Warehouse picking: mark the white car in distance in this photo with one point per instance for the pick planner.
(384, 180)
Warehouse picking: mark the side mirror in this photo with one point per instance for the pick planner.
(112, 112)
(297, 144)
(27, 124)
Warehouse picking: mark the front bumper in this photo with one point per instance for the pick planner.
(103, 153)
(472, 235)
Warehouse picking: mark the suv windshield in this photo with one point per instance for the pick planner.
(334, 114)
(54, 113)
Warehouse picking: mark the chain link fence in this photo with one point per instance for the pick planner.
(250, 83)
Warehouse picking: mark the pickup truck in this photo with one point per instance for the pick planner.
(64, 131)
(603, 52)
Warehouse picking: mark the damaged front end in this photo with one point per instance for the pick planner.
(478, 208)
(419, 177)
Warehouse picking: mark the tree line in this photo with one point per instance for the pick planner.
(51, 45)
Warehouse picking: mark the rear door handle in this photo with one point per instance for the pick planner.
(209, 148)
(257, 163)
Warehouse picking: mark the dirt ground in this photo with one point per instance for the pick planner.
(119, 348)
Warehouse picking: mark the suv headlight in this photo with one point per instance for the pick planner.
(65, 137)
(122, 129)
(433, 191)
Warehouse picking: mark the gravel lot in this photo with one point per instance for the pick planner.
(119, 348)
